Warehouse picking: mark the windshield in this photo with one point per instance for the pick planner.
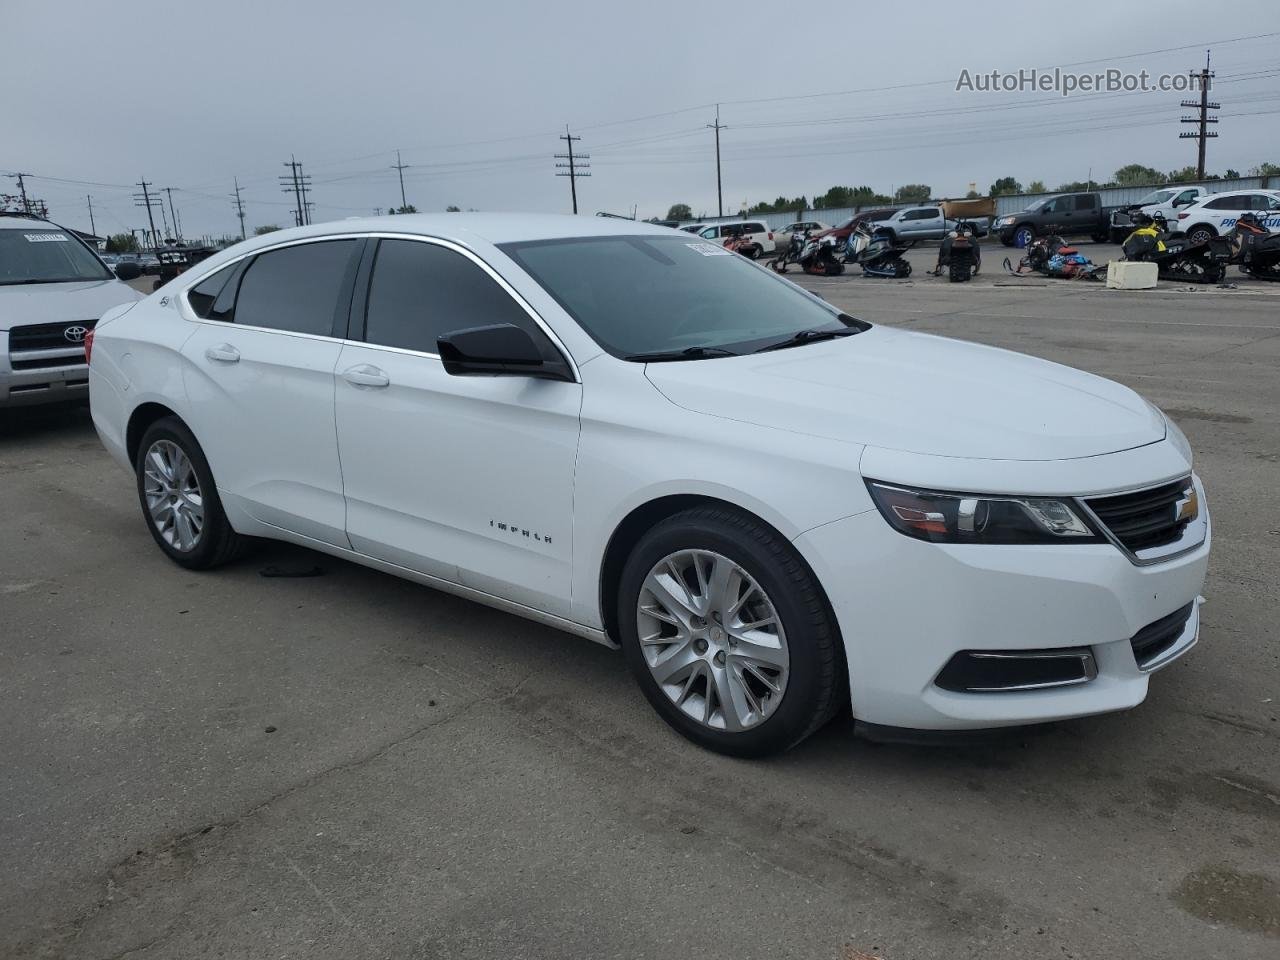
(46, 256)
(1156, 196)
(1038, 204)
(650, 295)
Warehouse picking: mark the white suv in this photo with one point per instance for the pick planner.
(759, 236)
(775, 509)
(1216, 214)
(53, 289)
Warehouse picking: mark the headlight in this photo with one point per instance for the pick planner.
(973, 518)
(1004, 221)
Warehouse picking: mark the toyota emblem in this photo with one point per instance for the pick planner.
(75, 334)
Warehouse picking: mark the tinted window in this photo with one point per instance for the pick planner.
(295, 288)
(1049, 206)
(421, 291)
(756, 228)
(1260, 201)
(202, 295)
(1228, 203)
(928, 213)
(1086, 201)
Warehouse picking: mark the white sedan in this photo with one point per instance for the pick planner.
(779, 512)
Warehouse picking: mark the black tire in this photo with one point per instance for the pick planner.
(217, 543)
(835, 268)
(1201, 233)
(817, 686)
(1099, 237)
(754, 251)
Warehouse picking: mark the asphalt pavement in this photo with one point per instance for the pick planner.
(339, 764)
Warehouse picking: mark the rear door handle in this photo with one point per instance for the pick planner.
(223, 352)
(365, 375)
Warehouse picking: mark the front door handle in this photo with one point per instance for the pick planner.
(365, 375)
(223, 352)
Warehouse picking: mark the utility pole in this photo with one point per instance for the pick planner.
(575, 165)
(400, 168)
(239, 206)
(296, 182)
(22, 189)
(173, 214)
(145, 199)
(92, 229)
(717, 127)
(1203, 119)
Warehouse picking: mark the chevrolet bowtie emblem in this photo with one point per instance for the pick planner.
(1189, 506)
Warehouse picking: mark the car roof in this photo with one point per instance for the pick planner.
(1238, 193)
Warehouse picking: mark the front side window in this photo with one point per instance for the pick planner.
(710, 233)
(40, 255)
(296, 288)
(1049, 206)
(422, 291)
(205, 293)
(641, 295)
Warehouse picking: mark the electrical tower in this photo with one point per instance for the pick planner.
(575, 166)
(296, 182)
(146, 199)
(239, 206)
(92, 227)
(717, 127)
(22, 189)
(1202, 120)
(400, 168)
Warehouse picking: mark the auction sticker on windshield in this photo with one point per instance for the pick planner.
(710, 249)
(47, 238)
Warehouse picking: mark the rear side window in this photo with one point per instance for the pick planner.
(1086, 201)
(296, 288)
(202, 295)
(755, 228)
(421, 291)
(1228, 203)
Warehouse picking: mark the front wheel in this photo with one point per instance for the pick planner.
(1199, 235)
(728, 633)
(1022, 237)
(179, 500)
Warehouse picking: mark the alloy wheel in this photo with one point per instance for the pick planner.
(713, 640)
(173, 496)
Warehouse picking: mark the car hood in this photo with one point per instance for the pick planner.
(81, 300)
(921, 394)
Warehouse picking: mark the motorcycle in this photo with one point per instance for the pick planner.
(1053, 257)
(1257, 251)
(815, 255)
(1175, 256)
(878, 253)
(960, 254)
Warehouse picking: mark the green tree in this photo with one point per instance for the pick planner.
(972, 195)
(268, 228)
(1183, 175)
(1075, 186)
(407, 208)
(1005, 186)
(913, 193)
(1232, 174)
(679, 211)
(1135, 174)
(452, 209)
(1036, 186)
(122, 243)
(1266, 169)
(781, 205)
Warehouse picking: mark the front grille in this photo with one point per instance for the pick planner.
(1147, 518)
(37, 346)
(1155, 638)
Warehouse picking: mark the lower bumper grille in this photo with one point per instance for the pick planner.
(1001, 671)
(1157, 637)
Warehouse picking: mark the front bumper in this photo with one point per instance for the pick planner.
(906, 607)
(60, 384)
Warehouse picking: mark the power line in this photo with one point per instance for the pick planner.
(92, 227)
(297, 182)
(173, 214)
(145, 199)
(575, 165)
(1203, 134)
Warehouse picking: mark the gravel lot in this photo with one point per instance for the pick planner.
(347, 765)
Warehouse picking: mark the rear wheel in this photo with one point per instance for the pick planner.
(754, 251)
(728, 633)
(179, 500)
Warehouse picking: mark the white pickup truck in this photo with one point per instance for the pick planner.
(1166, 202)
(923, 223)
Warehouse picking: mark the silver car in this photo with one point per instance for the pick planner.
(53, 289)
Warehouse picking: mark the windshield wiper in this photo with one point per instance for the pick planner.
(809, 336)
(688, 353)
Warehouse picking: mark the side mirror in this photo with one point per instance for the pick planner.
(128, 270)
(500, 349)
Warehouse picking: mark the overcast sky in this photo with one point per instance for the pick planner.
(475, 94)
